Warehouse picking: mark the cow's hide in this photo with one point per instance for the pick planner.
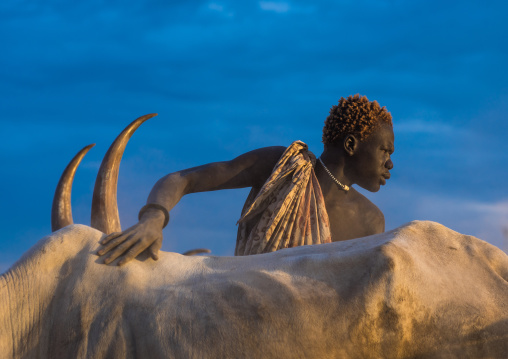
(421, 290)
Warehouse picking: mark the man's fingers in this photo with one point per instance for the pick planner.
(154, 249)
(117, 246)
(112, 244)
(154, 254)
(132, 253)
(109, 237)
(120, 248)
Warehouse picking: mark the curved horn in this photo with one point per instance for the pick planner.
(61, 210)
(196, 251)
(105, 216)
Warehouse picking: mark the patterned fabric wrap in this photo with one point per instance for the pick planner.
(288, 211)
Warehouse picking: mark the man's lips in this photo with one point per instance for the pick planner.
(384, 177)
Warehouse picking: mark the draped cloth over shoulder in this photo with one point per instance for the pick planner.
(288, 211)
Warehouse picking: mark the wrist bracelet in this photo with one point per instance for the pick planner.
(156, 206)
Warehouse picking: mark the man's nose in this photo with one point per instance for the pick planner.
(389, 164)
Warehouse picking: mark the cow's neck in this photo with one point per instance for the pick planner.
(19, 318)
(6, 344)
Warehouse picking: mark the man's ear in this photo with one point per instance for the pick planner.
(350, 144)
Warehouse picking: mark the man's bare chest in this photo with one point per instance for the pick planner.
(347, 221)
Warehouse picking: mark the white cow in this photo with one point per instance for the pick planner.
(421, 290)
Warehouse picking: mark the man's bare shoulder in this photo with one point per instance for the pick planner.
(271, 152)
(250, 169)
(372, 216)
(262, 161)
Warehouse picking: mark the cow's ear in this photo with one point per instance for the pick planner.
(350, 144)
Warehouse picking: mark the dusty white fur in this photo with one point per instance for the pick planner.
(421, 290)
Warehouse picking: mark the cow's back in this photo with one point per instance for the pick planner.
(420, 290)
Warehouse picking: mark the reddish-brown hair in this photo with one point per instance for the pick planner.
(355, 115)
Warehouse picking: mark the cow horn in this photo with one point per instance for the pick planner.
(105, 216)
(61, 209)
(196, 251)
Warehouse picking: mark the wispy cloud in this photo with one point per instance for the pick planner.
(484, 219)
(420, 126)
(220, 8)
(278, 7)
(216, 7)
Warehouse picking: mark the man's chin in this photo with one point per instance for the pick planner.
(373, 187)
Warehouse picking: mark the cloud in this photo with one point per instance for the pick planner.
(485, 219)
(219, 8)
(216, 7)
(278, 7)
(422, 126)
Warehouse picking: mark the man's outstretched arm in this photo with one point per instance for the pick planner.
(248, 170)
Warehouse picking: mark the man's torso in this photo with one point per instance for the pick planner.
(354, 217)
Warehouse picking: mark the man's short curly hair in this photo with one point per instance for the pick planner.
(355, 115)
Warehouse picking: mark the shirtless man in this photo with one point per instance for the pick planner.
(358, 142)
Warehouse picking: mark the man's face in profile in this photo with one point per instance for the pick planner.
(373, 163)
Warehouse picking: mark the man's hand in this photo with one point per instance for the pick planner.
(145, 235)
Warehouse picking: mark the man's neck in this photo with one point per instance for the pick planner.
(335, 164)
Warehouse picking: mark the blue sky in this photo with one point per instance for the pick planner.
(227, 77)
